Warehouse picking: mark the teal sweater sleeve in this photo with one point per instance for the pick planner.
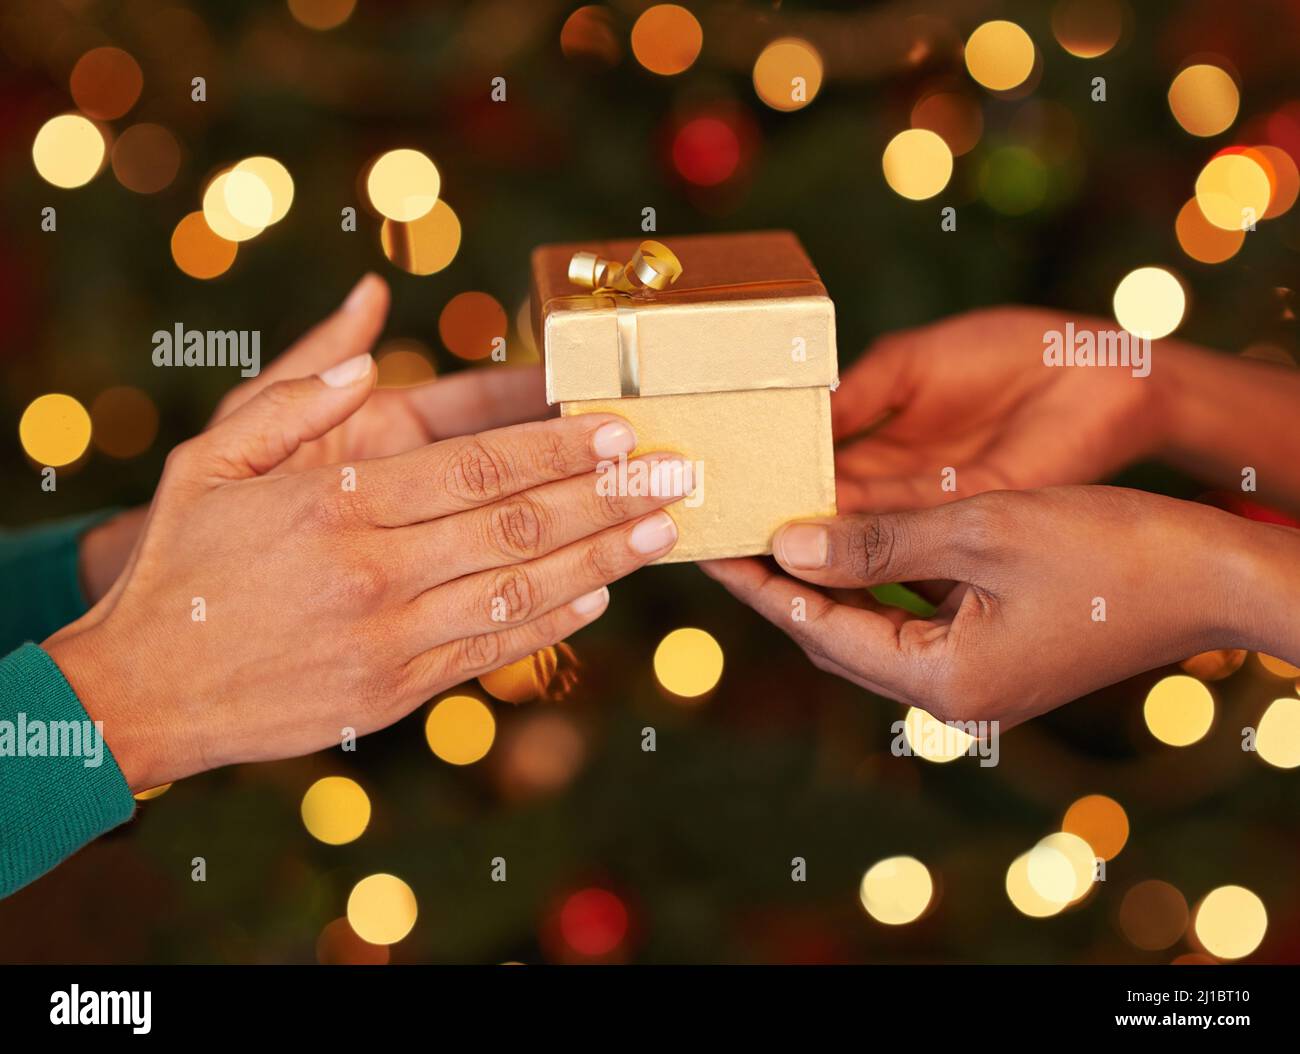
(59, 785)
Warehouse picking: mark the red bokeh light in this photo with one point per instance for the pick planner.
(593, 922)
(706, 151)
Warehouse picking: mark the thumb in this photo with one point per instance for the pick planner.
(266, 430)
(871, 550)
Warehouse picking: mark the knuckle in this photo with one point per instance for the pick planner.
(553, 457)
(359, 580)
(515, 596)
(613, 507)
(983, 523)
(476, 473)
(601, 562)
(482, 651)
(871, 552)
(518, 528)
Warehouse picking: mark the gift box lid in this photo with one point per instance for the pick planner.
(748, 311)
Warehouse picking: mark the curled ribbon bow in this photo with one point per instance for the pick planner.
(653, 266)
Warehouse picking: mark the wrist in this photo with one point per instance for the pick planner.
(1269, 575)
(132, 732)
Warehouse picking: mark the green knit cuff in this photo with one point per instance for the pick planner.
(60, 786)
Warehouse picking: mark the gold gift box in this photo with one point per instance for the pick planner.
(731, 366)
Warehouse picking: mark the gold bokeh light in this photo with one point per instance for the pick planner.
(1150, 302)
(68, 151)
(788, 74)
(335, 810)
(54, 430)
(426, 245)
(688, 662)
(460, 729)
(1100, 821)
(382, 909)
(1233, 191)
(666, 39)
(403, 185)
(1179, 710)
(1000, 55)
(917, 164)
(896, 890)
(1231, 922)
(198, 250)
(1277, 739)
(1204, 99)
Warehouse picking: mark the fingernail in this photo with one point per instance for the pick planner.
(360, 293)
(672, 477)
(803, 546)
(590, 603)
(613, 439)
(657, 531)
(349, 371)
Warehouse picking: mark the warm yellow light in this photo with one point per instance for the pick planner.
(1061, 868)
(153, 792)
(403, 185)
(932, 739)
(275, 178)
(335, 810)
(1202, 240)
(1231, 922)
(1179, 710)
(105, 83)
(146, 158)
(54, 430)
(403, 363)
(68, 151)
(688, 662)
(248, 198)
(1000, 55)
(956, 118)
(460, 729)
(1284, 181)
(1087, 28)
(382, 909)
(124, 421)
(426, 245)
(1277, 739)
(788, 74)
(198, 250)
(1022, 894)
(917, 164)
(1100, 821)
(1204, 99)
(1278, 667)
(321, 14)
(896, 890)
(1150, 302)
(216, 210)
(1233, 191)
(666, 39)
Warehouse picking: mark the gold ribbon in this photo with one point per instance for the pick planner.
(653, 266)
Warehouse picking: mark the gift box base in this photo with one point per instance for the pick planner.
(762, 458)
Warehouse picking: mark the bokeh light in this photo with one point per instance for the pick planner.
(666, 39)
(593, 922)
(1277, 739)
(1153, 915)
(54, 430)
(1284, 178)
(1230, 922)
(322, 14)
(1088, 29)
(1204, 99)
(248, 199)
(549, 674)
(216, 206)
(403, 363)
(1013, 180)
(125, 421)
(539, 754)
(335, 810)
(68, 151)
(105, 83)
(269, 177)
(1233, 191)
(460, 729)
(146, 158)
(1277, 667)
(934, 740)
(1150, 302)
(198, 250)
(1061, 868)
(426, 245)
(953, 116)
(917, 164)
(588, 36)
(896, 890)
(471, 323)
(382, 909)
(1202, 240)
(338, 945)
(1022, 894)
(403, 185)
(706, 151)
(688, 663)
(999, 55)
(1214, 665)
(152, 792)
(1100, 821)
(1178, 710)
(788, 74)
